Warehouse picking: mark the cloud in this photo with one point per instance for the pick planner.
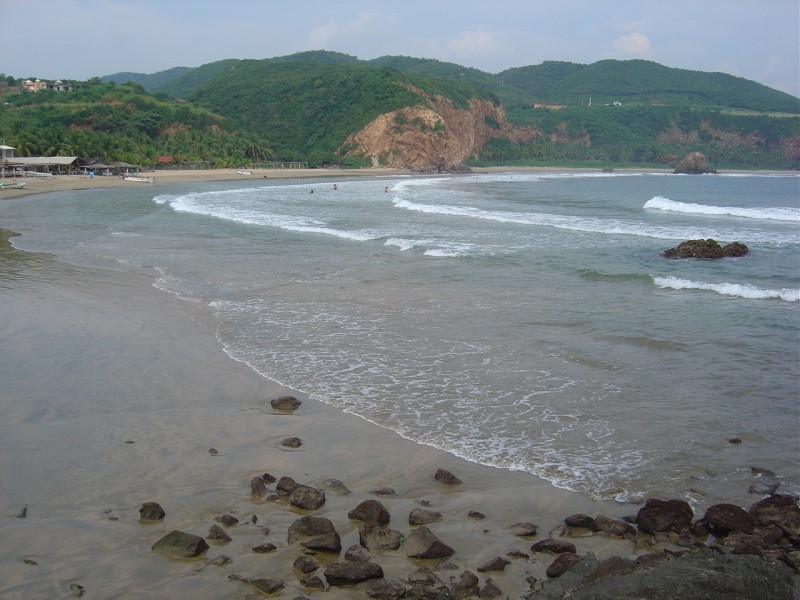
(474, 44)
(635, 44)
(333, 34)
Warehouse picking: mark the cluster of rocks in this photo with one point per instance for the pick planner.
(769, 530)
(728, 548)
(709, 248)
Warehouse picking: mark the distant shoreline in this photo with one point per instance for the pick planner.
(59, 183)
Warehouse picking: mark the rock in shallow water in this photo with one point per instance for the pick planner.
(178, 544)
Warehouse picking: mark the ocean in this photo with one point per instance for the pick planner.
(526, 321)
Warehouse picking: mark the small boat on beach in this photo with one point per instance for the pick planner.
(13, 186)
(243, 172)
(139, 178)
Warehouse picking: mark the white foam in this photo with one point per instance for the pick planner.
(775, 213)
(196, 204)
(741, 290)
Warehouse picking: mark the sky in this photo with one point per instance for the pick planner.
(80, 39)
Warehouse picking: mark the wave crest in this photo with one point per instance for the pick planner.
(770, 214)
(740, 290)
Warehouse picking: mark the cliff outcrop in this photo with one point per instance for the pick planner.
(432, 137)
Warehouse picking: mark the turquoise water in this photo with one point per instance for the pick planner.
(526, 321)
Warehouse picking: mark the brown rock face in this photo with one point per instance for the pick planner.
(436, 137)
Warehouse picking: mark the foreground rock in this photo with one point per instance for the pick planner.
(285, 403)
(151, 511)
(664, 515)
(315, 533)
(709, 248)
(700, 574)
(694, 163)
(424, 544)
(178, 544)
(351, 573)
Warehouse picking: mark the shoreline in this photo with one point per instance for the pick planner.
(57, 183)
(137, 390)
(91, 428)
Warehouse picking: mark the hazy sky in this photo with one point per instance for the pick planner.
(79, 39)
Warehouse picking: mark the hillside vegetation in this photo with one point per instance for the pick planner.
(305, 106)
(122, 123)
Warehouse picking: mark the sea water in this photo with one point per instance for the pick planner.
(526, 321)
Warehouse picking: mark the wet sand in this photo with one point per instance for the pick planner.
(113, 394)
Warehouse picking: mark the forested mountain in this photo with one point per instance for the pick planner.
(332, 108)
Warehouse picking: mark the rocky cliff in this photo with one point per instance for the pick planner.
(431, 137)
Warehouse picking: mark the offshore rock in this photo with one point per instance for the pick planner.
(694, 163)
(709, 248)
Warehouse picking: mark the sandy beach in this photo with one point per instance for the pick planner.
(115, 394)
(132, 390)
(58, 183)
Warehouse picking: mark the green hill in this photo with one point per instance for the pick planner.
(305, 105)
(644, 82)
(122, 123)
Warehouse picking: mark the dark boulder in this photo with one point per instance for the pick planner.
(780, 510)
(376, 538)
(306, 497)
(664, 515)
(387, 590)
(286, 485)
(524, 529)
(694, 163)
(258, 487)
(267, 586)
(698, 574)
(422, 543)
(217, 534)
(734, 250)
(420, 516)
(291, 442)
(498, 563)
(561, 564)
(177, 544)
(579, 520)
(285, 403)
(370, 511)
(356, 553)
(723, 519)
(305, 564)
(706, 249)
(315, 533)
(446, 477)
(612, 527)
(351, 573)
(151, 511)
(554, 546)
